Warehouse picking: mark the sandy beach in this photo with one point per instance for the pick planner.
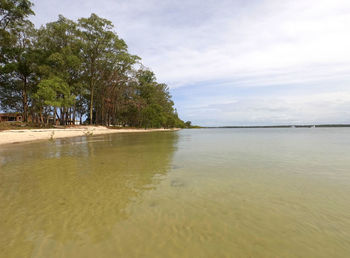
(27, 135)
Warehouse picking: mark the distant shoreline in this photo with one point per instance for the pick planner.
(28, 135)
(283, 126)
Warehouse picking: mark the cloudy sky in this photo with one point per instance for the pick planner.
(237, 62)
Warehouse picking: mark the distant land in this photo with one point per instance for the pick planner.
(282, 126)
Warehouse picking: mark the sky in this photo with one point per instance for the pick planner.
(237, 62)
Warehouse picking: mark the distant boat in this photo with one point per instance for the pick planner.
(293, 126)
(313, 126)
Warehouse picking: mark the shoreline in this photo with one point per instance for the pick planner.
(30, 135)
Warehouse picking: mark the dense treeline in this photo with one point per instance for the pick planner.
(76, 70)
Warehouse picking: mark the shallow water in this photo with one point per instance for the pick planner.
(192, 193)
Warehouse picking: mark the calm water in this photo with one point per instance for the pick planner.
(192, 193)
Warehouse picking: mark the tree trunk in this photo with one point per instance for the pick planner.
(67, 117)
(25, 100)
(54, 115)
(41, 117)
(92, 71)
(62, 121)
(91, 103)
(74, 111)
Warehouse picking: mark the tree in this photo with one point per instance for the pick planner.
(54, 92)
(67, 68)
(97, 39)
(188, 124)
(158, 110)
(60, 46)
(18, 71)
(15, 44)
(14, 12)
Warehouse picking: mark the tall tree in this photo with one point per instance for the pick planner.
(18, 71)
(60, 46)
(97, 39)
(16, 34)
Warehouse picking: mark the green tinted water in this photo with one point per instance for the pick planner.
(192, 193)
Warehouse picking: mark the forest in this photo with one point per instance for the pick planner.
(67, 71)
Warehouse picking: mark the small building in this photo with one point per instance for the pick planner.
(11, 117)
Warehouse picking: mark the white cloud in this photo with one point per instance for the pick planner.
(186, 42)
(269, 37)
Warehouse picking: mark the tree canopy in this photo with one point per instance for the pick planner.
(68, 70)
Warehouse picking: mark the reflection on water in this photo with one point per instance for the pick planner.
(58, 196)
(193, 193)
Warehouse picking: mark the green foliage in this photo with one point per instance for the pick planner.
(17, 64)
(76, 68)
(14, 12)
(188, 124)
(158, 108)
(54, 92)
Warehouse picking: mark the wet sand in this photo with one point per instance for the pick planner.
(27, 135)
